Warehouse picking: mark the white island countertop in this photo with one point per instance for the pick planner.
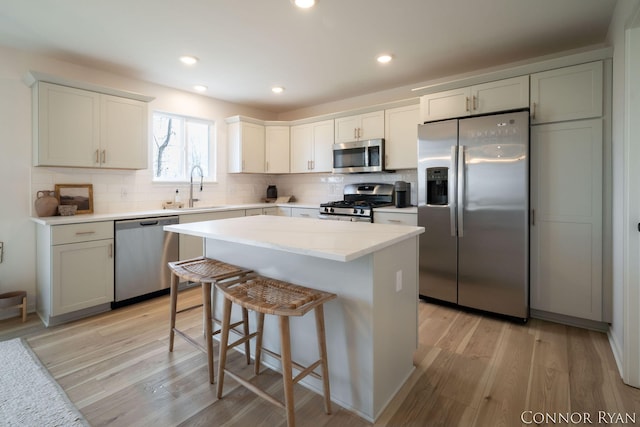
(334, 240)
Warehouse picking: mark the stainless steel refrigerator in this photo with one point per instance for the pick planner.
(473, 200)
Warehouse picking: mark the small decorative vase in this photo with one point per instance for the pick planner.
(46, 203)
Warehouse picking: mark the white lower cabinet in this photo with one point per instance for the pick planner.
(277, 211)
(566, 218)
(193, 246)
(397, 218)
(304, 212)
(75, 270)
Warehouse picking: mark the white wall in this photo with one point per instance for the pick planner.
(114, 191)
(616, 37)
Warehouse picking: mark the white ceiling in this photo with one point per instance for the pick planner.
(319, 55)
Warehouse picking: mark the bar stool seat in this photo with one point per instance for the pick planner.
(275, 297)
(206, 272)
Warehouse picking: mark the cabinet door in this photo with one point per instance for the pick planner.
(123, 133)
(322, 146)
(346, 129)
(301, 148)
(277, 149)
(82, 275)
(253, 158)
(371, 125)
(566, 231)
(304, 212)
(445, 105)
(395, 218)
(401, 137)
(502, 95)
(277, 211)
(568, 93)
(67, 128)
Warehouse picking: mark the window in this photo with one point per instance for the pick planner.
(179, 144)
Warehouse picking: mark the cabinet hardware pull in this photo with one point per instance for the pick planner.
(267, 168)
(97, 156)
(110, 250)
(313, 164)
(533, 217)
(355, 133)
(533, 111)
(243, 165)
(104, 156)
(475, 102)
(466, 104)
(84, 233)
(394, 220)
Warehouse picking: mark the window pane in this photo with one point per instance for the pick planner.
(179, 143)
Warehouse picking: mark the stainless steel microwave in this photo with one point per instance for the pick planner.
(359, 156)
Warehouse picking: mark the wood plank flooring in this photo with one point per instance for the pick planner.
(471, 370)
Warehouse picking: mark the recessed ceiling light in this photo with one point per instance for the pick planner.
(188, 59)
(200, 88)
(277, 89)
(304, 4)
(384, 59)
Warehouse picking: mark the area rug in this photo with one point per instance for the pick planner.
(29, 396)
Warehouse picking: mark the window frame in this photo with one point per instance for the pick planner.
(212, 176)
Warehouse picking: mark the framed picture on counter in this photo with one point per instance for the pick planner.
(80, 195)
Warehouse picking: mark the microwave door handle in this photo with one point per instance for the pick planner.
(451, 188)
(367, 153)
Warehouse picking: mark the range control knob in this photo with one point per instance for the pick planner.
(361, 211)
(355, 211)
(331, 210)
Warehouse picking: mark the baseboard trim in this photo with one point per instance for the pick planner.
(570, 320)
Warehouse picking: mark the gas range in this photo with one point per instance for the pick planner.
(358, 203)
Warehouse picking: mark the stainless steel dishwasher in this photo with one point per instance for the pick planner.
(142, 250)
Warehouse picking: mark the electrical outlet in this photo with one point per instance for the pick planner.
(398, 280)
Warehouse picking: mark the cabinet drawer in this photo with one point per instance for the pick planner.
(304, 213)
(395, 218)
(73, 233)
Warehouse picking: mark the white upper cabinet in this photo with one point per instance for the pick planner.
(401, 137)
(246, 146)
(568, 93)
(501, 95)
(123, 128)
(81, 128)
(360, 127)
(277, 149)
(311, 147)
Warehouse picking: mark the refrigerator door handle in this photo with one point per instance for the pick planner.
(461, 185)
(451, 191)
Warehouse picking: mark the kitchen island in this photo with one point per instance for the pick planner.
(372, 327)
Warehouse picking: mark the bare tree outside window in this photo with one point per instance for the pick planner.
(179, 144)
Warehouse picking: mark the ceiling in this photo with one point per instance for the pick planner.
(318, 55)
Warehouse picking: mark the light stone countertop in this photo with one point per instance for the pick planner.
(79, 219)
(335, 240)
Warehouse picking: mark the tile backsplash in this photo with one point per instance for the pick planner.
(126, 191)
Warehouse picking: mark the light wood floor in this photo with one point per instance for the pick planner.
(471, 370)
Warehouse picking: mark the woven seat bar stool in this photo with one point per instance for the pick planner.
(206, 272)
(274, 297)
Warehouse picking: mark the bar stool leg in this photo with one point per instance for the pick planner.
(322, 349)
(287, 374)
(224, 341)
(206, 308)
(173, 309)
(247, 344)
(259, 328)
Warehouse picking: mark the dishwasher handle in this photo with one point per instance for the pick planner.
(145, 223)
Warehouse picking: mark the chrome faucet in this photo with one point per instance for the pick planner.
(191, 199)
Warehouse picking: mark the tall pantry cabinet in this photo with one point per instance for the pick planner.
(566, 191)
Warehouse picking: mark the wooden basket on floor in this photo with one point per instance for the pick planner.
(16, 299)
